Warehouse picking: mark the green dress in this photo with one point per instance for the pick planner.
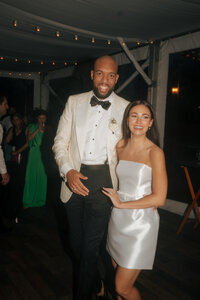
(36, 179)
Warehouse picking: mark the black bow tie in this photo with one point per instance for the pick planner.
(105, 104)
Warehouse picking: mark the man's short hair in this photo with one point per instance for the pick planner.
(2, 98)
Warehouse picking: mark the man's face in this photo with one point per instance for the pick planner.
(104, 77)
(3, 107)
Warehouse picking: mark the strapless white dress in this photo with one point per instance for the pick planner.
(132, 233)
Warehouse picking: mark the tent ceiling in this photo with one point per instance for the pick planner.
(105, 20)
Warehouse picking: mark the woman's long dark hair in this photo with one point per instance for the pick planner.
(38, 112)
(151, 134)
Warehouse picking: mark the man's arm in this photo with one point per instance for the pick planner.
(62, 139)
(61, 150)
(3, 170)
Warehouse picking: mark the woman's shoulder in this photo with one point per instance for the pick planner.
(32, 126)
(120, 144)
(156, 153)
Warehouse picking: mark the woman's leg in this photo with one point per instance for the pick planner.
(124, 281)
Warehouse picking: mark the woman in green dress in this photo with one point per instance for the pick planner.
(36, 178)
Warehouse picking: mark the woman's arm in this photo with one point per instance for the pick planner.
(9, 136)
(159, 186)
(20, 150)
(30, 136)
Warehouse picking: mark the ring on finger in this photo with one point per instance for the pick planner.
(74, 189)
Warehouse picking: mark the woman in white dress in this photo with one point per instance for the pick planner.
(134, 222)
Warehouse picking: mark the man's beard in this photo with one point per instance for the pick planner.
(100, 96)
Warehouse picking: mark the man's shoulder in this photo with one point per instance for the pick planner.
(121, 100)
(74, 100)
(80, 96)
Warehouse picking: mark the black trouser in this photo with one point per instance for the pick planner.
(88, 218)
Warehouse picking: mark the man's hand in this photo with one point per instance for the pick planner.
(75, 184)
(5, 178)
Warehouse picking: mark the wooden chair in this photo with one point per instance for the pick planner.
(195, 197)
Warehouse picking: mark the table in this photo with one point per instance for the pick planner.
(195, 197)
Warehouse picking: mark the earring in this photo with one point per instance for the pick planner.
(149, 128)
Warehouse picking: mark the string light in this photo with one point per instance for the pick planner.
(10, 73)
(20, 74)
(175, 90)
(39, 73)
(15, 23)
(65, 63)
(41, 62)
(58, 34)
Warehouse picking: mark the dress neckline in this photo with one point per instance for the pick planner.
(135, 162)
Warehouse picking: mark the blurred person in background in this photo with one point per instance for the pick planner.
(16, 138)
(7, 124)
(36, 178)
(3, 170)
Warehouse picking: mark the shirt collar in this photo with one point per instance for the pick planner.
(110, 98)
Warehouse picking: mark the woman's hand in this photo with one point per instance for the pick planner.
(112, 194)
(41, 126)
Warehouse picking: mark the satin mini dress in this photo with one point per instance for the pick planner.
(132, 233)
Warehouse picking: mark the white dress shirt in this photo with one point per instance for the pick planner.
(95, 151)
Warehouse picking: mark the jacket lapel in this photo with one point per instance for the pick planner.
(81, 120)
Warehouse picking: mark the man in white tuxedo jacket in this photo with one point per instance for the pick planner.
(4, 177)
(84, 148)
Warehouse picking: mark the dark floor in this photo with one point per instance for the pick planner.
(34, 263)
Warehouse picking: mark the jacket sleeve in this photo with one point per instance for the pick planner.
(3, 169)
(63, 138)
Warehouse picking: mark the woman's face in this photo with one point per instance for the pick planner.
(139, 120)
(41, 119)
(16, 121)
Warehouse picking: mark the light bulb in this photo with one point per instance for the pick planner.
(15, 23)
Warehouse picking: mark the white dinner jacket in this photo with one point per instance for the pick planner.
(71, 133)
(3, 169)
